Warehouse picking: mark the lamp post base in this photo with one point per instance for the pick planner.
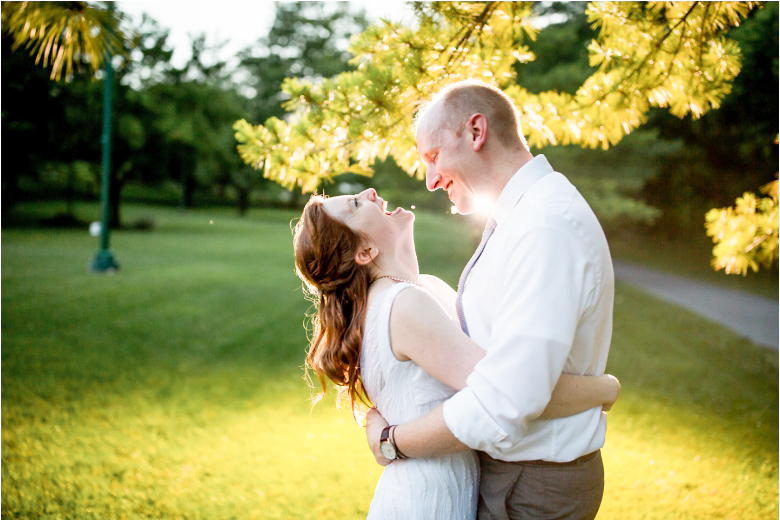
(104, 262)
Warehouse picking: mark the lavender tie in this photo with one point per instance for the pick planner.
(489, 227)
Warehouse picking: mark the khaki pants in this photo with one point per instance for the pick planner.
(540, 490)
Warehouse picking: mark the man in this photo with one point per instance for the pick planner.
(538, 298)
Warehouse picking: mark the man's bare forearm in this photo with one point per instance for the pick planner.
(427, 436)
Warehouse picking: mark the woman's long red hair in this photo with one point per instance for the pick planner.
(325, 261)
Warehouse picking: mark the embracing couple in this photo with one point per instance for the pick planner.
(489, 402)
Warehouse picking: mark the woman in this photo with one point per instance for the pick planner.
(386, 334)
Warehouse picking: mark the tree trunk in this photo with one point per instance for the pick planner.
(187, 189)
(70, 189)
(243, 200)
(10, 191)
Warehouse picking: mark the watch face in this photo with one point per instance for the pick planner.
(387, 449)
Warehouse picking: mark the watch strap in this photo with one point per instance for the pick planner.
(399, 454)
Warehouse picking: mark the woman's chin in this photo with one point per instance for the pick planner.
(401, 213)
(406, 214)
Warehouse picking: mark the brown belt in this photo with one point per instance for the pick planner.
(576, 462)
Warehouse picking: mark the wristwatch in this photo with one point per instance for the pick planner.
(387, 445)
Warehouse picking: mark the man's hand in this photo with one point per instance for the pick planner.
(374, 425)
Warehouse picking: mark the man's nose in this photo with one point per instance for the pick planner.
(432, 179)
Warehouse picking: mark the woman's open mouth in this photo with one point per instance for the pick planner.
(384, 208)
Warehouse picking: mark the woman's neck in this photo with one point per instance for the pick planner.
(401, 265)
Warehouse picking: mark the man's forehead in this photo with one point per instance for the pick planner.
(432, 125)
(430, 113)
(428, 131)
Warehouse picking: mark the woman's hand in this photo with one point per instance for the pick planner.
(374, 425)
(612, 385)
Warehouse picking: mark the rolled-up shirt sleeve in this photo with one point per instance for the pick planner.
(534, 323)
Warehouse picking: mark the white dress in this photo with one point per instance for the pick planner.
(444, 487)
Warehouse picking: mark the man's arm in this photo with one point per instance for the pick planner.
(428, 435)
(421, 332)
(425, 437)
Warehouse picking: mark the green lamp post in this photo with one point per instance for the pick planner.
(104, 260)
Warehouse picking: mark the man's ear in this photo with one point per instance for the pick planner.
(365, 255)
(477, 128)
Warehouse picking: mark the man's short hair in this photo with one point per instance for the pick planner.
(463, 99)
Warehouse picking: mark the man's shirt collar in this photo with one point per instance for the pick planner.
(520, 182)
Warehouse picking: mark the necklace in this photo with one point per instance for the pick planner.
(399, 280)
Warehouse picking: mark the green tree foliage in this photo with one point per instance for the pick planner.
(55, 127)
(609, 179)
(192, 110)
(25, 122)
(560, 49)
(68, 114)
(170, 123)
(65, 36)
(727, 151)
(655, 54)
(745, 235)
(306, 40)
(61, 34)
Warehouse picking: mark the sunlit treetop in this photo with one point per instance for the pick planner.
(62, 35)
(647, 54)
(745, 235)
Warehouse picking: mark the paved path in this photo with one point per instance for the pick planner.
(751, 316)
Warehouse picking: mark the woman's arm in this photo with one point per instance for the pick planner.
(423, 331)
(574, 394)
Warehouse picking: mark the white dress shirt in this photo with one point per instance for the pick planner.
(539, 301)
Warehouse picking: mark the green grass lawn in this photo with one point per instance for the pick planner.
(173, 389)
